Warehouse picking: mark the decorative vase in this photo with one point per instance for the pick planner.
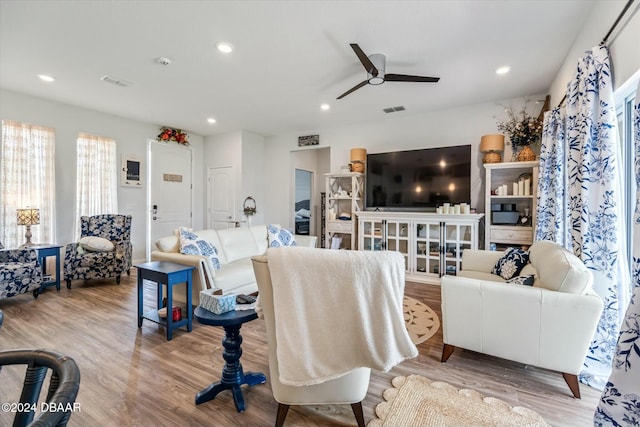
(526, 154)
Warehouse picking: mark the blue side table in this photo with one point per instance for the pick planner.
(168, 274)
(46, 250)
(232, 374)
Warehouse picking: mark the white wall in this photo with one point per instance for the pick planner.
(459, 126)
(131, 137)
(624, 45)
(253, 174)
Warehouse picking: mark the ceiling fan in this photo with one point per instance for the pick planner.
(375, 65)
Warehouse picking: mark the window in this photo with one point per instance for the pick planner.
(625, 98)
(96, 177)
(27, 180)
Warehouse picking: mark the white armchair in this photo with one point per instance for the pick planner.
(549, 325)
(350, 388)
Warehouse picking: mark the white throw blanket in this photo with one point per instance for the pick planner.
(336, 311)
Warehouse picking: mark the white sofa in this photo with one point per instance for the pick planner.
(235, 247)
(549, 325)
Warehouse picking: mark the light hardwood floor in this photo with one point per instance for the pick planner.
(134, 377)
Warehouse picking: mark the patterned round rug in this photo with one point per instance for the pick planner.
(422, 322)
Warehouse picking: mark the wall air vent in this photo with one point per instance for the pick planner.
(393, 109)
(115, 81)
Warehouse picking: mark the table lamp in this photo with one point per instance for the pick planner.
(491, 146)
(28, 217)
(358, 157)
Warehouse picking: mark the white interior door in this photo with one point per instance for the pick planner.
(169, 198)
(221, 200)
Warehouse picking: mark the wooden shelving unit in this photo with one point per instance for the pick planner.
(498, 174)
(344, 197)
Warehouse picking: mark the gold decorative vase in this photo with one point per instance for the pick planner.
(526, 154)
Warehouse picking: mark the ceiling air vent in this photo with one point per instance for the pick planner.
(393, 109)
(115, 81)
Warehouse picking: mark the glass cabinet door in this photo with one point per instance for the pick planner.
(427, 248)
(398, 239)
(372, 235)
(458, 237)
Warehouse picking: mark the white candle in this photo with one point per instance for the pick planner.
(439, 210)
(520, 188)
(527, 187)
(456, 209)
(515, 188)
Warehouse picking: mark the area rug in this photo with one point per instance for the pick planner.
(422, 322)
(417, 401)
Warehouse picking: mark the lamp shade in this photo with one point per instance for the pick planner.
(28, 216)
(491, 143)
(358, 155)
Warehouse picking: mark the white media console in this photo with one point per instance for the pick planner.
(431, 243)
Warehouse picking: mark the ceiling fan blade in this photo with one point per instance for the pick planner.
(366, 62)
(353, 89)
(406, 78)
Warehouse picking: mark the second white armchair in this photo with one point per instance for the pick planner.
(549, 325)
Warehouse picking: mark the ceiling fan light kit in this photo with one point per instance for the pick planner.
(375, 66)
(379, 61)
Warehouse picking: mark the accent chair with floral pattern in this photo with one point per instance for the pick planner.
(19, 272)
(82, 261)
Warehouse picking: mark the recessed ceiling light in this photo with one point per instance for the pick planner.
(325, 107)
(224, 47)
(211, 120)
(46, 78)
(503, 70)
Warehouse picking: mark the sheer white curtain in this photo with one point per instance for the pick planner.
(96, 177)
(27, 179)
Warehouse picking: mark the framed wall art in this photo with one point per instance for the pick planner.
(131, 171)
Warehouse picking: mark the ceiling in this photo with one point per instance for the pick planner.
(289, 57)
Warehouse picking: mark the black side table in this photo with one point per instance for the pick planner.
(232, 375)
(46, 250)
(168, 274)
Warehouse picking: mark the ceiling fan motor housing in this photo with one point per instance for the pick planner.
(378, 61)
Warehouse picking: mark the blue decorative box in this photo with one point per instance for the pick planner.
(217, 304)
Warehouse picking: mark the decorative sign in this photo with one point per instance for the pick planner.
(171, 177)
(304, 141)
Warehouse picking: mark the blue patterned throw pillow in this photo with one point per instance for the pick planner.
(523, 280)
(280, 237)
(511, 263)
(191, 244)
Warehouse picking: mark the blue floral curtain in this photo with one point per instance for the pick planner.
(552, 211)
(577, 192)
(620, 401)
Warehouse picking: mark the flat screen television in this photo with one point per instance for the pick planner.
(418, 180)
